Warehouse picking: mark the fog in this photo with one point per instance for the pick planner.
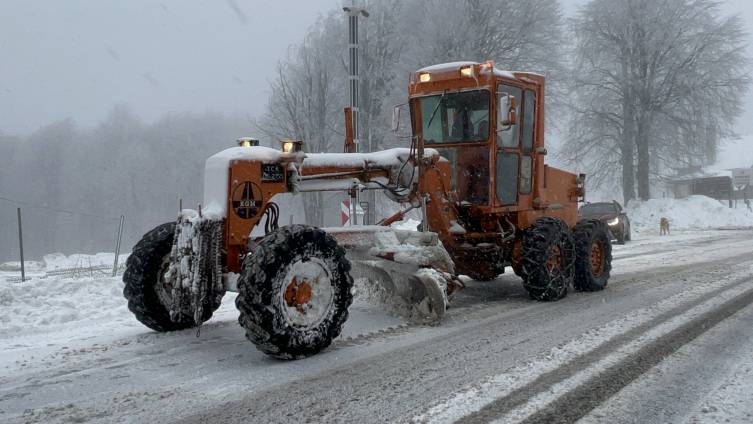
(78, 58)
(110, 107)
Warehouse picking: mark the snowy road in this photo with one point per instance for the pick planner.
(670, 340)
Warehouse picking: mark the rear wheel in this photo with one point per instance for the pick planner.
(294, 292)
(547, 253)
(150, 292)
(593, 255)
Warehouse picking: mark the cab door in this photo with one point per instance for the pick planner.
(514, 158)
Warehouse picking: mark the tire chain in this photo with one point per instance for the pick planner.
(203, 278)
(539, 235)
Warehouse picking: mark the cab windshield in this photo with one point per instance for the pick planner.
(455, 117)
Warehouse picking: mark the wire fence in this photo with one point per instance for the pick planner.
(31, 232)
(78, 271)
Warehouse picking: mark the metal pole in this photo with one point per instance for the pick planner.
(353, 81)
(117, 246)
(21, 245)
(353, 87)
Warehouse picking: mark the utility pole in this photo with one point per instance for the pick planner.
(354, 82)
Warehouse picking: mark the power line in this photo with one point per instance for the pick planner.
(32, 205)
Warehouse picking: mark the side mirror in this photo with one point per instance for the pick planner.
(507, 112)
(396, 118)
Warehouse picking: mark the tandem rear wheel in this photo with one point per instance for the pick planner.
(556, 257)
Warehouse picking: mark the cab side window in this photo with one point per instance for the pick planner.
(508, 137)
(507, 177)
(528, 132)
(529, 120)
(526, 170)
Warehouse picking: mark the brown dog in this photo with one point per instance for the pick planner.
(663, 226)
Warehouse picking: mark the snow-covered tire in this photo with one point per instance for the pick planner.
(593, 255)
(294, 292)
(548, 259)
(143, 280)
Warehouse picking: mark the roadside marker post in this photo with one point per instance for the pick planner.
(117, 245)
(21, 245)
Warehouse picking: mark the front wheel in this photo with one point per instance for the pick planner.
(294, 292)
(593, 255)
(149, 290)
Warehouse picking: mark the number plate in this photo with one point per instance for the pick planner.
(272, 172)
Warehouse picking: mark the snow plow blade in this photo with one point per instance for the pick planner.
(406, 272)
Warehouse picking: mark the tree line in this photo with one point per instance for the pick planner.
(73, 183)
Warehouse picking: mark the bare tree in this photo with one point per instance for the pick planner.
(304, 102)
(399, 37)
(665, 77)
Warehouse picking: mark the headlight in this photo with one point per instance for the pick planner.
(248, 141)
(291, 146)
(613, 222)
(424, 77)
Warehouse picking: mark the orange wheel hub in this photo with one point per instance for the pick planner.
(597, 258)
(298, 294)
(554, 261)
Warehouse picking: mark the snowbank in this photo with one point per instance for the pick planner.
(15, 266)
(692, 213)
(60, 290)
(59, 261)
(55, 261)
(46, 304)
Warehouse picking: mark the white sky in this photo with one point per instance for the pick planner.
(78, 58)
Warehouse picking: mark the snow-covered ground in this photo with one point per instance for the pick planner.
(691, 213)
(71, 351)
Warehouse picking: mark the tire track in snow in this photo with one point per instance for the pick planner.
(516, 387)
(627, 281)
(545, 382)
(580, 401)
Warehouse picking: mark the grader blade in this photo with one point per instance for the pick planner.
(406, 272)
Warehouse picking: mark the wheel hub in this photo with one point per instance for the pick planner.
(298, 294)
(554, 261)
(597, 258)
(164, 286)
(306, 295)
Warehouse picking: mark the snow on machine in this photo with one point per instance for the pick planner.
(474, 168)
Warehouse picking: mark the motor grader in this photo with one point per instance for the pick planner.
(474, 171)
